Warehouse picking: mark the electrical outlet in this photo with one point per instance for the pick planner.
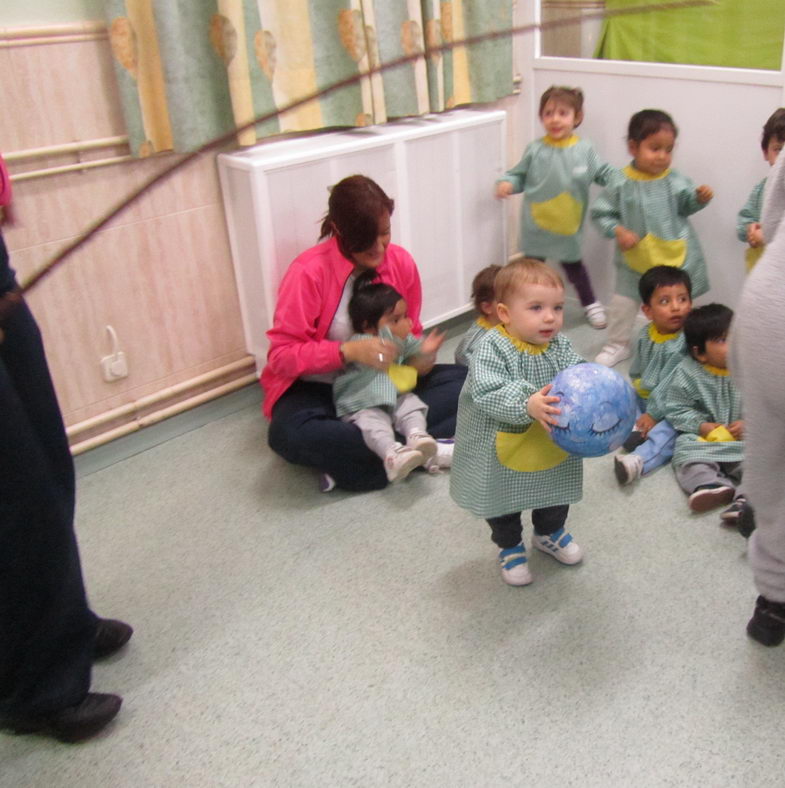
(114, 367)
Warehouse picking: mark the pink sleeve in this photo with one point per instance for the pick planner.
(5, 184)
(406, 279)
(295, 348)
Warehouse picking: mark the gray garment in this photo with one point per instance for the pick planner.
(692, 475)
(622, 312)
(377, 424)
(756, 348)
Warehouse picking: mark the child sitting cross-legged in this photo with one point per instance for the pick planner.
(485, 306)
(704, 405)
(504, 460)
(666, 293)
(380, 401)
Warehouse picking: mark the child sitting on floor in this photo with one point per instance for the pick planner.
(666, 293)
(504, 460)
(377, 401)
(704, 405)
(485, 306)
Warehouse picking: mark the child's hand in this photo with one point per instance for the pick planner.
(540, 407)
(704, 194)
(707, 427)
(503, 189)
(754, 234)
(644, 424)
(625, 238)
(433, 342)
(736, 429)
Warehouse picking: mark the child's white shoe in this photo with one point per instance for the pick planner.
(627, 467)
(423, 443)
(612, 354)
(560, 545)
(595, 315)
(443, 456)
(400, 461)
(515, 566)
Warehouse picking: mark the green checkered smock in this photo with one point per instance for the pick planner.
(656, 206)
(751, 211)
(503, 374)
(476, 331)
(698, 393)
(656, 356)
(361, 386)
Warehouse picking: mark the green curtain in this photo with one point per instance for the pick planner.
(192, 70)
(734, 33)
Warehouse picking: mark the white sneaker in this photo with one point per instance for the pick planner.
(423, 443)
(400, 461)
(627, 467)
(560, 545)
(515, 566)
(595, 315)
(710, 498)
(611, 355)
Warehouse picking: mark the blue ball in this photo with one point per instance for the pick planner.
(598, 410)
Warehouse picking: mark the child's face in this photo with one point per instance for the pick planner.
(716, 353)
(653, 154)
(772, 150)
(559, 119)
(396, 321)
(668, 308)
(373, 256)
(534, 314)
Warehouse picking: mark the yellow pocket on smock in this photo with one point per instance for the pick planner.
(561, 215)
(718, 434)
(752, 255)
(528, 451)
(403, 376)
(651, 251)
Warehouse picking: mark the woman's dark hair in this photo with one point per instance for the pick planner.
(662, 276)
(482, 286)
(706, 323)
(353, 211)
(775, 127)
(647, 122)
(370, 302)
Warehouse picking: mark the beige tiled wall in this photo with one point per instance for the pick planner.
(160, 273)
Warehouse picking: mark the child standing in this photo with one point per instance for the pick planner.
(555, 174)
(666, 293)
(377, 401)
(704, 405)
(504, 459)
(748, 222)
(646, 209)
(485, 306)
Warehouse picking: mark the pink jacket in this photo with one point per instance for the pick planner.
(307, 300)
(5, 184)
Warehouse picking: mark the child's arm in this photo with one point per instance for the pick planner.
(514, 180)
(605, 213)
(422, 356)
(748, 227)
(689, 199)
(683, 408)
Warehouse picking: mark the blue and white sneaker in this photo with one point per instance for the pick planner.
(560, 545)
(515, 566)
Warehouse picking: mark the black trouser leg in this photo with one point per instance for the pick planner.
(547, 521)
(507, 530)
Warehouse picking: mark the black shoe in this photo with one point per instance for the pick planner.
(767, 624)
(110, 636)
(746, 522)
(634, 439)
(75, 723)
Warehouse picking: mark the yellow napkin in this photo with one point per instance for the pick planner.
(403, 376)
(651, 251)
(720, 433)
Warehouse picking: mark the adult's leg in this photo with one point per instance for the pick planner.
(48, 630)
(439, 390)
(304, 430)
(579, 278)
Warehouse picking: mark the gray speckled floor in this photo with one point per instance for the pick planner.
(286, 637)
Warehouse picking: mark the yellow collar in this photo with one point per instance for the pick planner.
(656, 336)
(524, 347)
(715, 370)
(568, 142)
(637, 175)
(483, 322)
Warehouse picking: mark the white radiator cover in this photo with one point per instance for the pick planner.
(439, 169)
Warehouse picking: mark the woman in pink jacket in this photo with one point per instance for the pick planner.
(309, 341)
